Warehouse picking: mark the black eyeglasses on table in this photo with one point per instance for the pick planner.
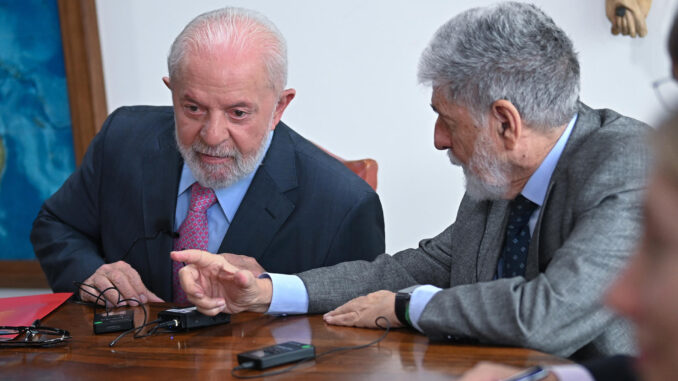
(33, 336)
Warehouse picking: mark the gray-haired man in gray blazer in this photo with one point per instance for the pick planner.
(551, 213)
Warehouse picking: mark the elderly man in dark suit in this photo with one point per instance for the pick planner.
(218, 172)
(551, 212)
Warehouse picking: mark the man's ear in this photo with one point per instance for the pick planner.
(167, 82)
(507, 122)
(283, 101)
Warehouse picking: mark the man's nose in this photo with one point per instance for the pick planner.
(441, 136)
(216, 129)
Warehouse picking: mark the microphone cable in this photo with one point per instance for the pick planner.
(171, 233)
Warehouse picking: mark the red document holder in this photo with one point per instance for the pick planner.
(24, 310)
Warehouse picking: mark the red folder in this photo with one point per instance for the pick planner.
(24, 310)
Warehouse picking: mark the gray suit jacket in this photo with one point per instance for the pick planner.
(587, 228)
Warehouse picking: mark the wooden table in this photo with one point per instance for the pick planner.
(210, 353)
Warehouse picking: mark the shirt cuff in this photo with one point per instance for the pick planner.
(418, 301)
(289, 294)
(571, 373)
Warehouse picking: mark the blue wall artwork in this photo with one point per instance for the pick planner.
(36, 142)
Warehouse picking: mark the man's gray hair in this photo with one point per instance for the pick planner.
(239, 28)
(509, 51)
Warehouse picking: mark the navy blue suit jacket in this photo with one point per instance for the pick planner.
(303, 209)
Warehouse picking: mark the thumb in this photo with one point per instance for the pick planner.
(243, 278)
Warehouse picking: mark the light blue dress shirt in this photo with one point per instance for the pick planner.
(219, 215)
(290, 295)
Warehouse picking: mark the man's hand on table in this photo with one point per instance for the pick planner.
(214, 285)
(121, 275)
(364, 310)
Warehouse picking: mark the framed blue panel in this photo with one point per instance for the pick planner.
(36, 142)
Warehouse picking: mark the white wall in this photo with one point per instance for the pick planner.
(353, 63)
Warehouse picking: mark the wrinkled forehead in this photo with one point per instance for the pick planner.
(440, 99)
(440, 94)
(443, 105)
(225, 66)
(225, 53)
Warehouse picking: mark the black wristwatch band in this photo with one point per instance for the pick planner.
(402, 302)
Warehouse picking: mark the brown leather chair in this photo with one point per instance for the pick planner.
(366, 169)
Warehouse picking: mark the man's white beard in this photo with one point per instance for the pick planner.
(484, 161)
(218, 176)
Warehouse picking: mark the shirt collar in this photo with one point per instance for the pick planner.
(535, 189)
(228, 198)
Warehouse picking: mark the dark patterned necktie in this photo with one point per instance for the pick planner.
(517, 241)
(193, 233)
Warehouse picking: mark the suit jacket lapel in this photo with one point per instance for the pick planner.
(492, 241)
(161, 173)
(268, 202)
(587, 120)
(534, 261)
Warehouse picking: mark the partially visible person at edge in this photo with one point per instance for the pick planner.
(645, 292)
(551, 212)
(219, 168)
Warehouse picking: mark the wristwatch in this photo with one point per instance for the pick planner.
(402, 305)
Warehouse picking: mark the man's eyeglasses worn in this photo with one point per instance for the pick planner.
(667, 92)
(32, 337)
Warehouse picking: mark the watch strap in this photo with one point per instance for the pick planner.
(402, 306)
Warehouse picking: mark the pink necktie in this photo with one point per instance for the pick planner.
(193, 233)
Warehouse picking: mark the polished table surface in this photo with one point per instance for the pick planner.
(210, 353)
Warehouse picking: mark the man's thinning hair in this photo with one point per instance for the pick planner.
(236, 27)
(509, 51)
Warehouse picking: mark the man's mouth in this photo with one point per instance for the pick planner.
(453, 159)
(212, 159)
